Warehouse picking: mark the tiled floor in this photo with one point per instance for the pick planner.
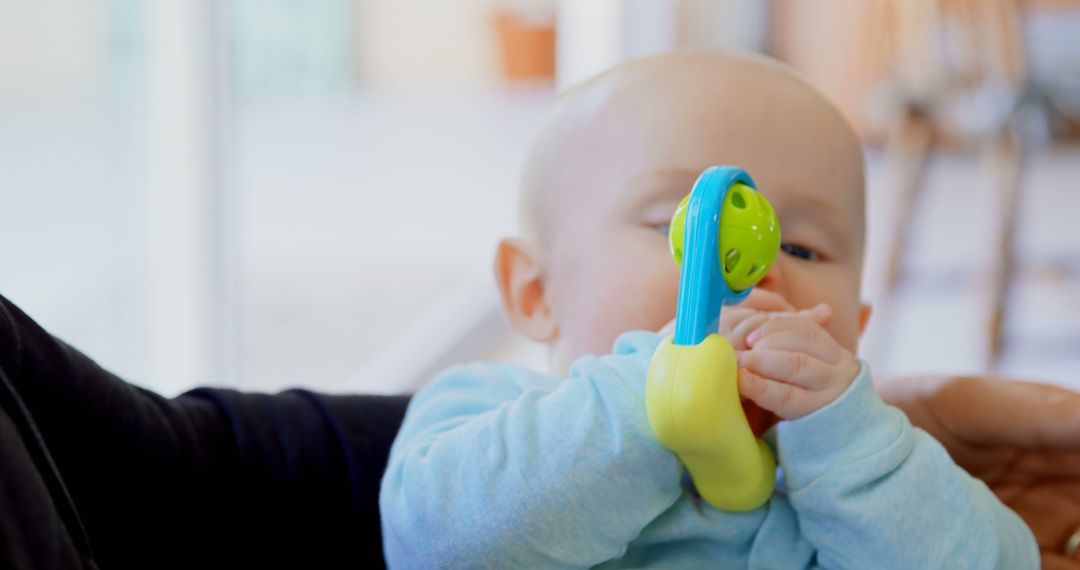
(367, 226)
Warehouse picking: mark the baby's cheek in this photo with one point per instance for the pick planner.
(627, 307)
(660, 294)
(596, 317)
(622, 286)
(609, 319)
(835, 287)
(642, 292)
(844, 328)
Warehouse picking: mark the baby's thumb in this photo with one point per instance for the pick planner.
(820, 313)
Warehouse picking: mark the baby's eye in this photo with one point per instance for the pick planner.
(801, 252)
(663, 228)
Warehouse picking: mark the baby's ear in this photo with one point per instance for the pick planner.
(520, 278)
(865, 309)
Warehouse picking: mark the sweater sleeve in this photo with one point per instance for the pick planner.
(497, 467)
(870, 490)
(246, 480)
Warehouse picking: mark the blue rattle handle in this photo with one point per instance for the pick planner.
(702, 287)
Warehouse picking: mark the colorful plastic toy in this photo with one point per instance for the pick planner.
(725, 236)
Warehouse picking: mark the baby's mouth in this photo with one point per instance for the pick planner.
(760, 420)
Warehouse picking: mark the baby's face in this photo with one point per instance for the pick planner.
(609, 267)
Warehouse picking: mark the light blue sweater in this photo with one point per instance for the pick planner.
(500, 467)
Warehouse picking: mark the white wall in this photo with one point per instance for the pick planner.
(597, 34)
(51, 44)
(422, 43)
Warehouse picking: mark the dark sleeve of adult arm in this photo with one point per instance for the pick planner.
(211, 478)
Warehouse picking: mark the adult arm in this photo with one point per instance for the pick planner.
(211, 476)
(871, 490)
(1021, 438)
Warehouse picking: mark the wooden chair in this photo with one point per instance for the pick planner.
(932, 53)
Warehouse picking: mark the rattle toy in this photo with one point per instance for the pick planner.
(725, 236)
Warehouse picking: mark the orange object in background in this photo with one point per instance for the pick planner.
(528, 48)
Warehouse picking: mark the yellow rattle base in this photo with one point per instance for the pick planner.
(692, 399)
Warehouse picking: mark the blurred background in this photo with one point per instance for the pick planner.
(277, 193)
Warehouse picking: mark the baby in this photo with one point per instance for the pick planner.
(501, 467)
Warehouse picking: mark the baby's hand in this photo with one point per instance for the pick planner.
(740, 320)
(791, 365)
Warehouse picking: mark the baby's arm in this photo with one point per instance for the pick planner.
(868, 489)
(498, 468)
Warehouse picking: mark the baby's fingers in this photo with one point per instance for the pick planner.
(819, 313)
(796, 368)
(810, 340)
(784, 400)
(808, 319)
(737, 336)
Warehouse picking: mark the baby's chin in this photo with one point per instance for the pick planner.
(760, 420)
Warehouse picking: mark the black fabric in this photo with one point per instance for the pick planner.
(96, 472)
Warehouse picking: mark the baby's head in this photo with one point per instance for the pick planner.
(618, 153)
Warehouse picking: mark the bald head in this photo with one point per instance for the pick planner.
(684, 109)
(617, 154)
